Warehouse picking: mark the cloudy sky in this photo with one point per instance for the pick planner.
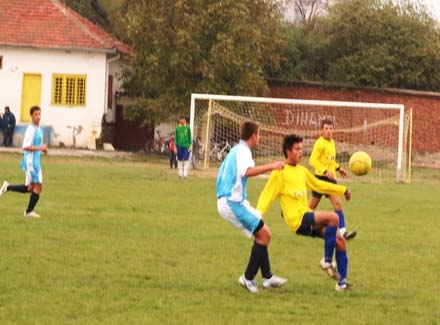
(433, 6)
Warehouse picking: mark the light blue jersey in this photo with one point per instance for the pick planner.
(31, 159)
(231, 179)
(231, 190)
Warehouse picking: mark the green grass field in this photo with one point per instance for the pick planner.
(126, 241)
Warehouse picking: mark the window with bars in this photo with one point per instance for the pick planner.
(69, 90)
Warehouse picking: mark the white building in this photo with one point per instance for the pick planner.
(52, 57)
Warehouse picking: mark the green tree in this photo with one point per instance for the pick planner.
(91, 9)
(374, 43)
(187, 46)
(297, 54)
(384, 46)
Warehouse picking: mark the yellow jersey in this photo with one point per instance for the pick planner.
(323, 156)
(290, 185)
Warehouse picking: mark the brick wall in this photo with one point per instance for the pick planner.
(425, 106)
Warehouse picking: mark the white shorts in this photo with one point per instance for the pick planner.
(33, 177)
(240, 215)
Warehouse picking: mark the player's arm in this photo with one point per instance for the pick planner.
(341, 170)
(27, 142)
(42, 148)
(270, 191)
(189, 139)
(315, 161)
(261, 169)
(326, 187)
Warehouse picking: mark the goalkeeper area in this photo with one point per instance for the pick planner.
(381, 130)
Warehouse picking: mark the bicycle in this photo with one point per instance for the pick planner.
(157, 144)
(219, 151)
(198, 148)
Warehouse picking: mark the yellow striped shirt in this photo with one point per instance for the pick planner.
(290, 186)
(323, 156)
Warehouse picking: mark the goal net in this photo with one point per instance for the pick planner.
(381, 130)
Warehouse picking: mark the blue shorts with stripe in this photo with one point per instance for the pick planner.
(306, 227)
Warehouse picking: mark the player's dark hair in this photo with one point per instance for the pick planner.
(183, 117)
(289, 141)
(7, 109)
(327, 121)
(34, 108)
(247, 129)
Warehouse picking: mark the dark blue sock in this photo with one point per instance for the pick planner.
(257, 253)
(329, 242)
(265, 264)
(341, 216)
(342, 260)
(18, 188)
(33, 200)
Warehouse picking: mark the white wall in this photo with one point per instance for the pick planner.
(10, 82)
(17, 62)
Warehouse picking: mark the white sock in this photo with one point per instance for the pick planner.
(180, 168)
(342, 231)
(185, 168)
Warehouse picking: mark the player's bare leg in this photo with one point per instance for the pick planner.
(314, 201)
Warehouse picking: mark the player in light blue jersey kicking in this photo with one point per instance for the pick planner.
(233, 206)
(33, 147)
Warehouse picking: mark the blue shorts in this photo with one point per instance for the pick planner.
(182, 153)
(306, 227)
(325, 179)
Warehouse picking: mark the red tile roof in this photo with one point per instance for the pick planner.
(51, 24)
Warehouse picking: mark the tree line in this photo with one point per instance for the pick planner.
(233, 46)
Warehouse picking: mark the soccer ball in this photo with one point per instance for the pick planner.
(360, 163)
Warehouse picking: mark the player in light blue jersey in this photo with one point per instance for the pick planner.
(233, 206)
(33, 147)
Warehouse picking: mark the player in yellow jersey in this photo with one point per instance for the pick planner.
(323, 160)
(290, 186)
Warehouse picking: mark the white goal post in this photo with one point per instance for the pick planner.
(382, 130)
